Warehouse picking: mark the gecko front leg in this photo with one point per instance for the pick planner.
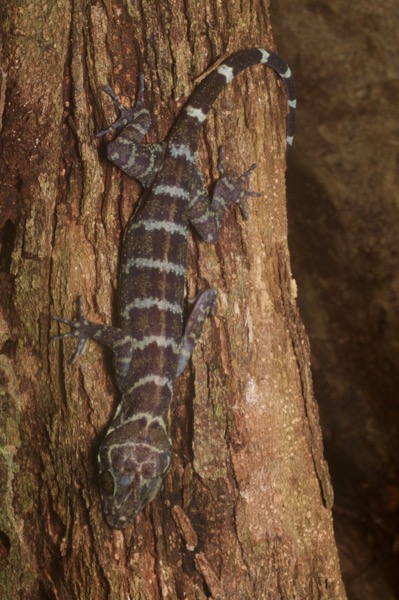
(205, 303)
(114, 338)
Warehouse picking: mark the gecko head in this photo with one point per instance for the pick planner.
(131, 473)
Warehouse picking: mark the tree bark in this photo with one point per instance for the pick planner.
(245, 510)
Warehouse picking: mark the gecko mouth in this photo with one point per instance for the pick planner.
(123, 498)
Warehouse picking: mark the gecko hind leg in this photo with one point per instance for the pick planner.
(126, 150)
(207, 217)
(231, 191)
(205, 303)
(127, 115)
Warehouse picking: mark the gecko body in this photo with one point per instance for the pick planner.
(150, 345)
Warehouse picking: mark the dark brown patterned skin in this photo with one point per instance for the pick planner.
(151, 347)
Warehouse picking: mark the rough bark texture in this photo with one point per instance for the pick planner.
(343, 182)
(245, 511)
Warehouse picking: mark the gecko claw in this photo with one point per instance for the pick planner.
(76, 327)
(127, 115)
(234, 190)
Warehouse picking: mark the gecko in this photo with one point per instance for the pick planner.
(150, 345)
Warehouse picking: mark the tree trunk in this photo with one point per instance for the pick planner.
(245, 510)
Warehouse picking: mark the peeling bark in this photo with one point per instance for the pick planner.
(241, 513)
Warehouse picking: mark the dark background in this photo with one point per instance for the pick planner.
(343, 232)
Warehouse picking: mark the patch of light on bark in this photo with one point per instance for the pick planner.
(251, 392)
(249, 324)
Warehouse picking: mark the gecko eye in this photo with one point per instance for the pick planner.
(107, 482)
(125, 481)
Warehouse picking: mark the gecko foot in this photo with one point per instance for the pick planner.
(77, 331)
(232, 189)
(127, 115)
